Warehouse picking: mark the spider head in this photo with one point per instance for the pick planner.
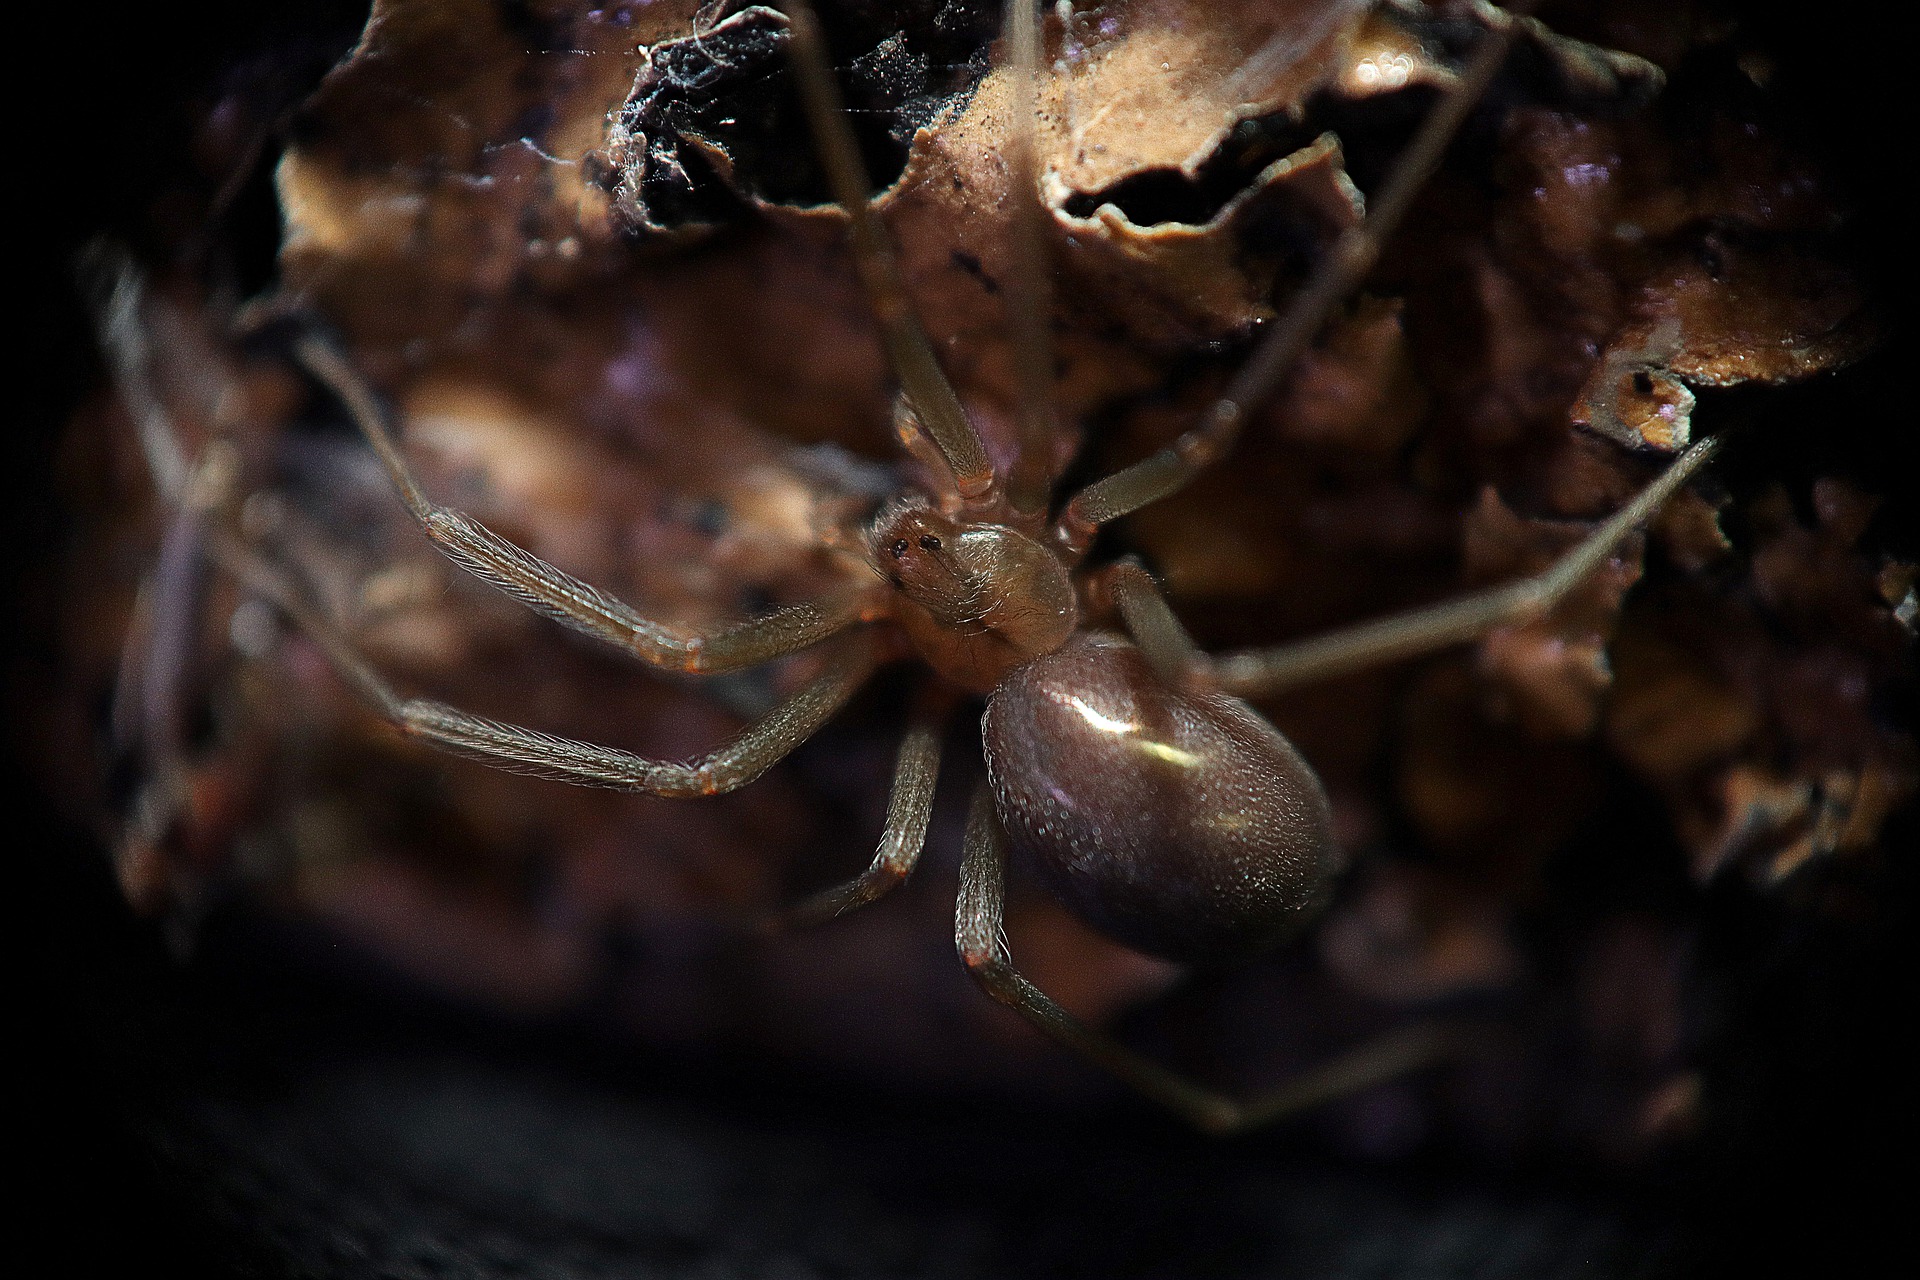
(977, 598)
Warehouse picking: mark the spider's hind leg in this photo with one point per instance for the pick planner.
(979, 939)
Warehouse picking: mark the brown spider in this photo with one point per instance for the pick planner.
(1128, 772)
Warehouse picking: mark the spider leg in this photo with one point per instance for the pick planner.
(909, 807)
(146, 714)
(1167, 472)
(140, 333)
(1259, 672)
(1156, 632)
(505, 746)
(120, 302)
(934, 400)
(148, 717)
(983, 949)
(1028, 287)
(557, 594)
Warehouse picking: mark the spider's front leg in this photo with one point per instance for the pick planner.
(560, 595)
(758, 748)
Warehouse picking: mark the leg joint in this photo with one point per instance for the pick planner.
(986, 962)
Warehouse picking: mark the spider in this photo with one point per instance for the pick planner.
(1125, 767)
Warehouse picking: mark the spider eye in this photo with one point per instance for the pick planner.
(929, 543)
(899, 548)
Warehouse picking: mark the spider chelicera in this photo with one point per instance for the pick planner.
(1126, 770)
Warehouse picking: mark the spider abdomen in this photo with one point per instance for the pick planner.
(1178, 822)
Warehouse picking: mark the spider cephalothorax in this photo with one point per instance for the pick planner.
(977, 597)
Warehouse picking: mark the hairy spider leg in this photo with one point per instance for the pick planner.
(979, 937)
(1159, 635)
(916, 770)
(559, 595)
(148, 716)
(934, 401)
(119, 297)
(1162, 474)
(1260, 672)
(758, 748)
(154, 654)
(1029, 290)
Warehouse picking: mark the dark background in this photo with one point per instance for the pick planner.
(258, 1110)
